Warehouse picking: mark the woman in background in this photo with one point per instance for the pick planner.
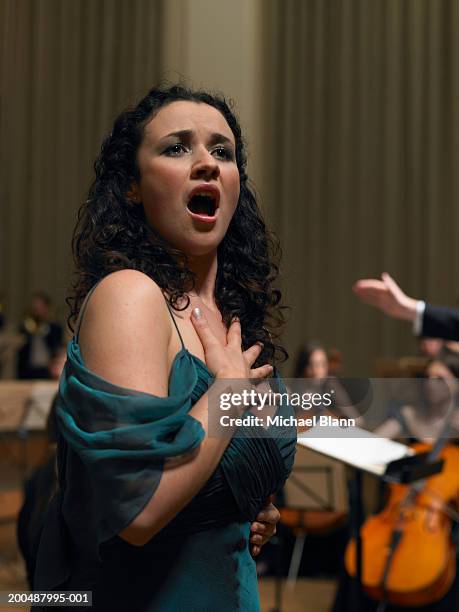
(312, 364)
(424, 424)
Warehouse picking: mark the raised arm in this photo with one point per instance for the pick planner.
(431, 321)
(386, 295)
(125, 338)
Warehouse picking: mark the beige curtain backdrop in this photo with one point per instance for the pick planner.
(353, 138)
(362, 144)
(66, 68)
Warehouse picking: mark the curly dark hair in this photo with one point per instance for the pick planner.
(112, 233)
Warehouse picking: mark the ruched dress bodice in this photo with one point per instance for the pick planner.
(109, 472)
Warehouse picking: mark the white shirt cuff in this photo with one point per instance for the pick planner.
(417, 323)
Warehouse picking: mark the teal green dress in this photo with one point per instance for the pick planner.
(111, 450)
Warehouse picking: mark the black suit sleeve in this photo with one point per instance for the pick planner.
(54, 337)
(440, 322)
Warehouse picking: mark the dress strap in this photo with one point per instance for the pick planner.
(85, 303)
(175, 323)
(83, 310)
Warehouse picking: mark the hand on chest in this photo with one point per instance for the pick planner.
(190, 337)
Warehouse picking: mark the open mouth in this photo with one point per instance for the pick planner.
(203, 205)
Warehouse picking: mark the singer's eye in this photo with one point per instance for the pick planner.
(175, 150)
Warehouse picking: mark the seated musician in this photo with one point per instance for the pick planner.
(424, 424)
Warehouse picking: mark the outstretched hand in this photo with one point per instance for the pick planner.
(386, 295)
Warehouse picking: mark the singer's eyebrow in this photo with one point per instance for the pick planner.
(179, 134)
(214, 137)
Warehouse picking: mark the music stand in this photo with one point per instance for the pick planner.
(322, 501)
(366, 452)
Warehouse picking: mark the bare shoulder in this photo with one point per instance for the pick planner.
(129, 279)
(125, 332)
(129, 294)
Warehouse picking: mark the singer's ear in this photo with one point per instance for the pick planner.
(133, 194)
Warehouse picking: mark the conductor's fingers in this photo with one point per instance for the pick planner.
(391, 284)
(368, 284)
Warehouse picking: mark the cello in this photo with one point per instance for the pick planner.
(409, 558)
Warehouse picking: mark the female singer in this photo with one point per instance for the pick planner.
(174, 289)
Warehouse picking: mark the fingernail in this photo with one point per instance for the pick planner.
(197, 313)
